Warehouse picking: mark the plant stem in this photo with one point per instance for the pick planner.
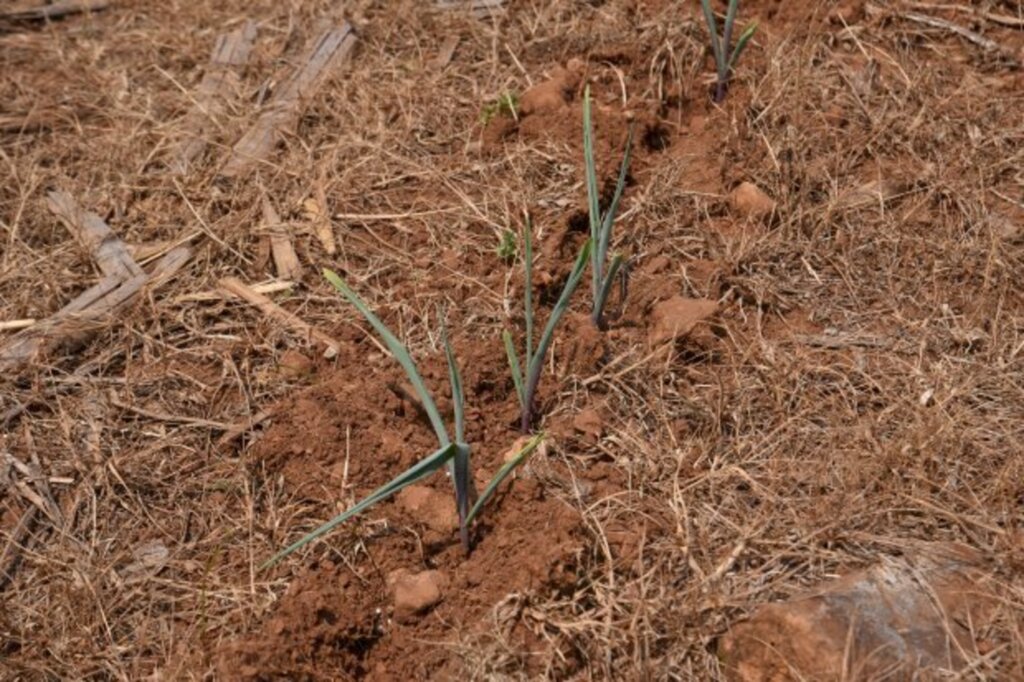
(720, 89)
(526, 415)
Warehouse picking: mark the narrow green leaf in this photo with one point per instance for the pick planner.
(537, 362)
(424, 467)
(502, 474)
(398, 350)
(460, 469)
(513, 364)
(730, 20)
(716, 47)
(593, 204)
(748, 33)
(528, 287)
(606, 288)
(458, 396)
(620, 186)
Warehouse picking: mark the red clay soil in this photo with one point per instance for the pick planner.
(795, 379)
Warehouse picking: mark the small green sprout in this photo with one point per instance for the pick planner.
(452, 453)
(507, 104)
(725, 60)
(601, 226)
(507, 245)
(526, 383)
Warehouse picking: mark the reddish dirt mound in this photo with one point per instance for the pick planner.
(350, 435)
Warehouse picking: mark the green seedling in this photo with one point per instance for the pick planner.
(507, 245)
(452, 453)
(506, 105)
(601, 225)
(724, 59)
(533, 361)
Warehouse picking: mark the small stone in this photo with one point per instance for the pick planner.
(415, 593)
(435, 510)
(678, 316)
(294, 365)
(589, 422)
(749, 200)
(903, 617)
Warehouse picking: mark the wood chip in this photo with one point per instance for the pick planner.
(107, 249)
(314, 210)
(480, 9)
(55, 10)
(281, 114)
(230, 52)
(445, 53)
(87, 313)
(235, 286)
(285, 260)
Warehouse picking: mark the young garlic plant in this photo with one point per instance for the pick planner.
(533, 361)
(601, 225)
(453, 453)
(724, 59)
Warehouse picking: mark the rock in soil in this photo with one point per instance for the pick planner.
(678, 316)
(902, 617)
(434, 509)
(750, 201)
(295, 365)
(415, 593)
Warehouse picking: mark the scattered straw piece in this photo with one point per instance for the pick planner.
(235, 286)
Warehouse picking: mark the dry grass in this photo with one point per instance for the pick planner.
(775, 456)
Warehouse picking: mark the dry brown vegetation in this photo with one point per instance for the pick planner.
(861, 387)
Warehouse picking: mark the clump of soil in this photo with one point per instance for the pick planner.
(343, 438)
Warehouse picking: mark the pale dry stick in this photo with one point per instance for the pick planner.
(273, 287)
(236, 287)
(285, 260)
(282, 112)
(55, 10)
(87, 313)
(14, 325)
(967, 34)
(145, 254)
(1004, 19)
(230, 52)
(91, 231)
